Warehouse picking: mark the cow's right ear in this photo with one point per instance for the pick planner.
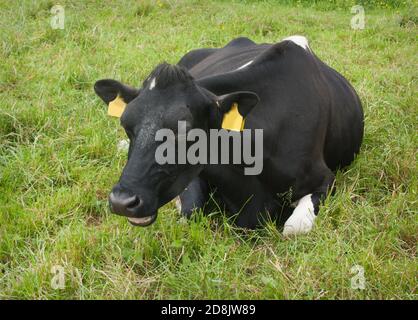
(115, 94)
(235, 107)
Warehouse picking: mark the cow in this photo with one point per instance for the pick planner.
(311, 117)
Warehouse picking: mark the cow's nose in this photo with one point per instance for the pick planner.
(122, 203)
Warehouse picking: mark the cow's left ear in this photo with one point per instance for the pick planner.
(236, 106)
(115, 94)
(245, 101)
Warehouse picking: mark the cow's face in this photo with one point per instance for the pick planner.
(169, 95)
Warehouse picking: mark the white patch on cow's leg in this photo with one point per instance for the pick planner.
(178, 204)
(301, 41)
(245, 65)
(152, 84)
(302, 218)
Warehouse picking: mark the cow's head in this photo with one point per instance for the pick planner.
(167, 96)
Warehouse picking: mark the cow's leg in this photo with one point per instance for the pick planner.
(193, 197)
(307, 208)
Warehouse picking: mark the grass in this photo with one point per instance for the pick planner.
(59, 158)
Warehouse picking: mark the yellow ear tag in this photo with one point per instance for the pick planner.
(116, 107)
(233, 120)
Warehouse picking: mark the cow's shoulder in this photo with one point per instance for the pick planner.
(294, 48)
(300, 41)
(239, 42)
(193, 57)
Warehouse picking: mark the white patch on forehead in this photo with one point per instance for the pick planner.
(152, 84)
(245, 65)
(302, 219)
(301, 41)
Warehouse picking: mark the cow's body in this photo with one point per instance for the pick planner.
(311, 117)
(312, 120)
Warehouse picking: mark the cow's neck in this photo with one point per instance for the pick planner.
(221, 84)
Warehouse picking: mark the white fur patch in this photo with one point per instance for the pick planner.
(302, 219)
(152, 84)
(245, 65)
(301, 41)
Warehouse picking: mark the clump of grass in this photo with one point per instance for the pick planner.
(409, 19)
(144, 8)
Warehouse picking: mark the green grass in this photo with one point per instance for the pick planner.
(58, 157)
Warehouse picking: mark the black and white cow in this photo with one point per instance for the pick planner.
(312, 123)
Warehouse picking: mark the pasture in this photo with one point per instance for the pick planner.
(59, 157)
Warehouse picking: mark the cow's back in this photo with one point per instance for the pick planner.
(297, 85)
(346, 120)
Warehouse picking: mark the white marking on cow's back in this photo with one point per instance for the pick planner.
(302, 219)
(152, 84)
(301, 41)
(245, 65)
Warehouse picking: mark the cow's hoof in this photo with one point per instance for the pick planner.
(298, 224)
(302, 219)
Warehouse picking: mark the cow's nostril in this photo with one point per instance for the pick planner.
(134, 202)
(121, 203)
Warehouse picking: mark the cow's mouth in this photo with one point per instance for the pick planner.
(143, 221)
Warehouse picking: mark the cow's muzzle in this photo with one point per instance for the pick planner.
(131, 206)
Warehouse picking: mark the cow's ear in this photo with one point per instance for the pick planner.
(244, 100)
(115, 94)
(236, 106)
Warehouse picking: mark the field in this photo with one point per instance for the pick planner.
(59, 158)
